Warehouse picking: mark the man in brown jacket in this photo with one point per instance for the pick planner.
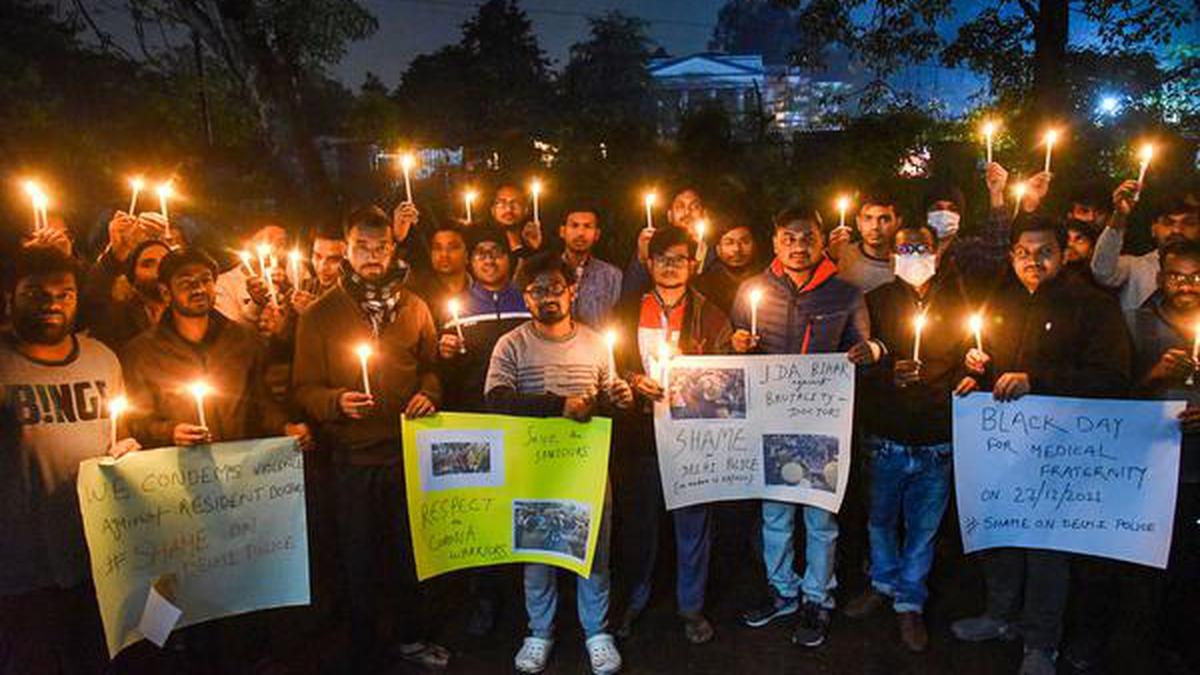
(360, 423)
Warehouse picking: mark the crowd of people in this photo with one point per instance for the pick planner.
(501, 316)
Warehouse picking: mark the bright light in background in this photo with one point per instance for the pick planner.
(1109, 105)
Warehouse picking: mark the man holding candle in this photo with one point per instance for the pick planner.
(1135, 277)
(1050, 336)
(448, 275)
(906, 423)
(362, 430)
(510, 213)
(737, 260)
(552, 366)
(676, 314)
(125, 318)
(599, 282)
(686, 211)
(54, 411)
(324, 268)
(803, 308)
(242, 292)
(868, 264)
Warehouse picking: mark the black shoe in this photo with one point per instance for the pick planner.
(482, 619)
(813, 626)
(774, 607)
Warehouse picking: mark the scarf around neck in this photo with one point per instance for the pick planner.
(378, 298)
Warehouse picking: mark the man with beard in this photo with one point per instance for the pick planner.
(325, 262)
(448, 276)
(676, 314)
(686, 211)
(737, 260)
(906, 425)
(599, 283)
(867, 264)
(371, 307)
(1052, 337)
(510, 214)
(1136, 277)
(54, 413)
(125, 319)
(552, 366)
(804, 309)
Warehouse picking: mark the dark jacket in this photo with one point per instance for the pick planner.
(827, 315)
(325, 366)
(485, 316)
(159, 364)
(720, 285)
(918, 414)
(1153, 334)
(1069, 338)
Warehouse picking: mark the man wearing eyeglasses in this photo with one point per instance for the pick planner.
(1051, 336)
(804, 309)
(548, 367)
(906, 424)
(509, 212)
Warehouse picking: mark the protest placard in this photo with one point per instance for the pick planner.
(1080, 475)
(756, 427)
(491, 489)
(224, 523)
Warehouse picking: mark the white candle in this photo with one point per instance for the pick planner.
(977, 330)
(701, 246)
(39, 201)
(664, 364)
(199, 390)
(268, 275)
(1147, 154)
(406, 165)
(1019, 192)
(294, 258)
(649, 200)
(164, 193)
(135, 184)
(1195, 354)
(245, 257)
(115, 407)
(1051, 137)
(468, 199)
(536, 188)
(919, 322)
(462, 343)
(364, 353)
(843, 204)
(989, 130)
(610, 339)
(755, 298)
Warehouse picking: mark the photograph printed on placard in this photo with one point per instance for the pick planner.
(461, 458)
(807, 461)
(707, 393)
(556, 526)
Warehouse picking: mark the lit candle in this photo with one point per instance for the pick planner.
(1019, 192)
(755, 298)
(406, 164)
(664, 365)
(244, 255)
(843, 203)
(164, 193)
(263, 250)
(1195, 354)
(462, 343)
(294, 258)
(115, 407)
(977, 329)
(649, 200)
(269, 277)
(135, 184)
(364, 353)
(39, 201)
(1147, 154)
(701, 246)
(919, 323)
(469, 199)
(535, 188)
(610, 339)
(1051, 137)
(199, 390)
(989, 130)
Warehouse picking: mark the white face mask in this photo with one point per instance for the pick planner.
(945, 223)
(915, 269)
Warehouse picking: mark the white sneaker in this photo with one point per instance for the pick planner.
(602, 652)
(534, 654)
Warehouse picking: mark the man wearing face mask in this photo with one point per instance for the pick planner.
(1135, 277)
(907, 426)
(868, 263)
(1042, 335)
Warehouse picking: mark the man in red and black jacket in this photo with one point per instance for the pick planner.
(672, 312)
(1053, 336)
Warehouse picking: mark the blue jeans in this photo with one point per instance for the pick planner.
(820, 548)
(910, 482)
(591, 592)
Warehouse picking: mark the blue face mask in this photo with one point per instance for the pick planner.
(945, 223)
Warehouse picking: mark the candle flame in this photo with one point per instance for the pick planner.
(118, 405)
(453, 306)
(976, 323)
(701, 226)
(40, 201)
(1051, 136)
(989, 128)
(610, 338)
(363, 350)
(1019, 190)
(756, 296)
(650, 198)
(199, 389)
(137, 183)
(263, 249)
(535, 186)
(33, 189)
(1147, 152)
(244, 255)
(919, 321)
(406, 161)
(165, 189)
(843, 203)
(294, 255)
(470, 196)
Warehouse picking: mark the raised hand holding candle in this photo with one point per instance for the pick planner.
(843, 204)
(40, 201)
(116, 407)
(462, 343)
(135, 184)
(977, 329)
(469, 199)
(610, 339)
(364, 354)
(165, 191)
(199, 390)
(649, 200)
(535, 188)
(406, 164)
(755, 298)
(989, 131)
(1147, 154)
(1051, 139)
(919, 324)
